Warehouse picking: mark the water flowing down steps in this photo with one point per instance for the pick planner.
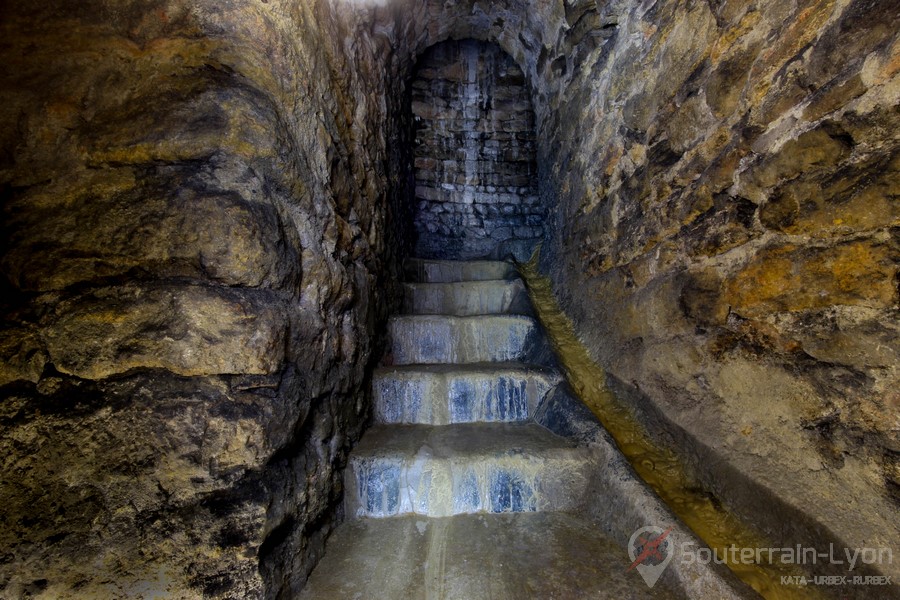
(482, 476)
(465, 468)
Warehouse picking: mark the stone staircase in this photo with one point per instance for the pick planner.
(457, 491)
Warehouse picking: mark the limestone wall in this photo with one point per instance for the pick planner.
(202, 204)
(476, 179)
(724, 181)
(196, 263)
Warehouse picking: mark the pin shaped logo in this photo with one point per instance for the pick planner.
(651, 551)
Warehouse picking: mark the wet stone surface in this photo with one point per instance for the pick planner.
(475, 154)
(440, 395)
(463, 468)
(204, 203)
(510, 556)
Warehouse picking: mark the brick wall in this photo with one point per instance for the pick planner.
(474, 154)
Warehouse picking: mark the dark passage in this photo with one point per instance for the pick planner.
(474, 155)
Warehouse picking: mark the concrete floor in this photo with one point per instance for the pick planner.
(512, 556)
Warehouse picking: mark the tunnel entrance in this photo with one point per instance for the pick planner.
(475, 189)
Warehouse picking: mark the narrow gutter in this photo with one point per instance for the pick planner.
(659, 467)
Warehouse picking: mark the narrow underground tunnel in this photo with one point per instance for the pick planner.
(408, 299)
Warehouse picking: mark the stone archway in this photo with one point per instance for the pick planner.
(475, 166)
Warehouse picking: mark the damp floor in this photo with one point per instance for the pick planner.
(514, 556)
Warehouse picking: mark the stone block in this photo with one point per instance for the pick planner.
(502, 233)
(185, 329)
(439, 395)
(426, 339)
(467, 468)
(466, 298)
(446, 271)
(154, 228)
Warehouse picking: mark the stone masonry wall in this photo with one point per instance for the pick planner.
(475, 173)
(725, 236)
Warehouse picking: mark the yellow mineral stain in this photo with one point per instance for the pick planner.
(726, 41)
(659, 467)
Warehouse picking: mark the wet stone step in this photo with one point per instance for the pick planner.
(445, 394)
(448, 271)
(467, 298)
(432, 339)
(466, 468)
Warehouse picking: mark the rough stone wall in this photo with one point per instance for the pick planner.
(195, 258)
(476, 179)
(195, 198)
(724, 234)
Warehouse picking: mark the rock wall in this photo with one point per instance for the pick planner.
(202, 204)
(476, 178)
(724, 181)
(196, 261)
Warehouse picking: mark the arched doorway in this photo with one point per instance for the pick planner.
(475, 189)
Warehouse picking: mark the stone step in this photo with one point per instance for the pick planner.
(465, 298)
(464, 468)
(449, 271)
(504, 557)
(445, 394)
(432, 339)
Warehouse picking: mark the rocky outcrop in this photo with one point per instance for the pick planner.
(196, 261)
